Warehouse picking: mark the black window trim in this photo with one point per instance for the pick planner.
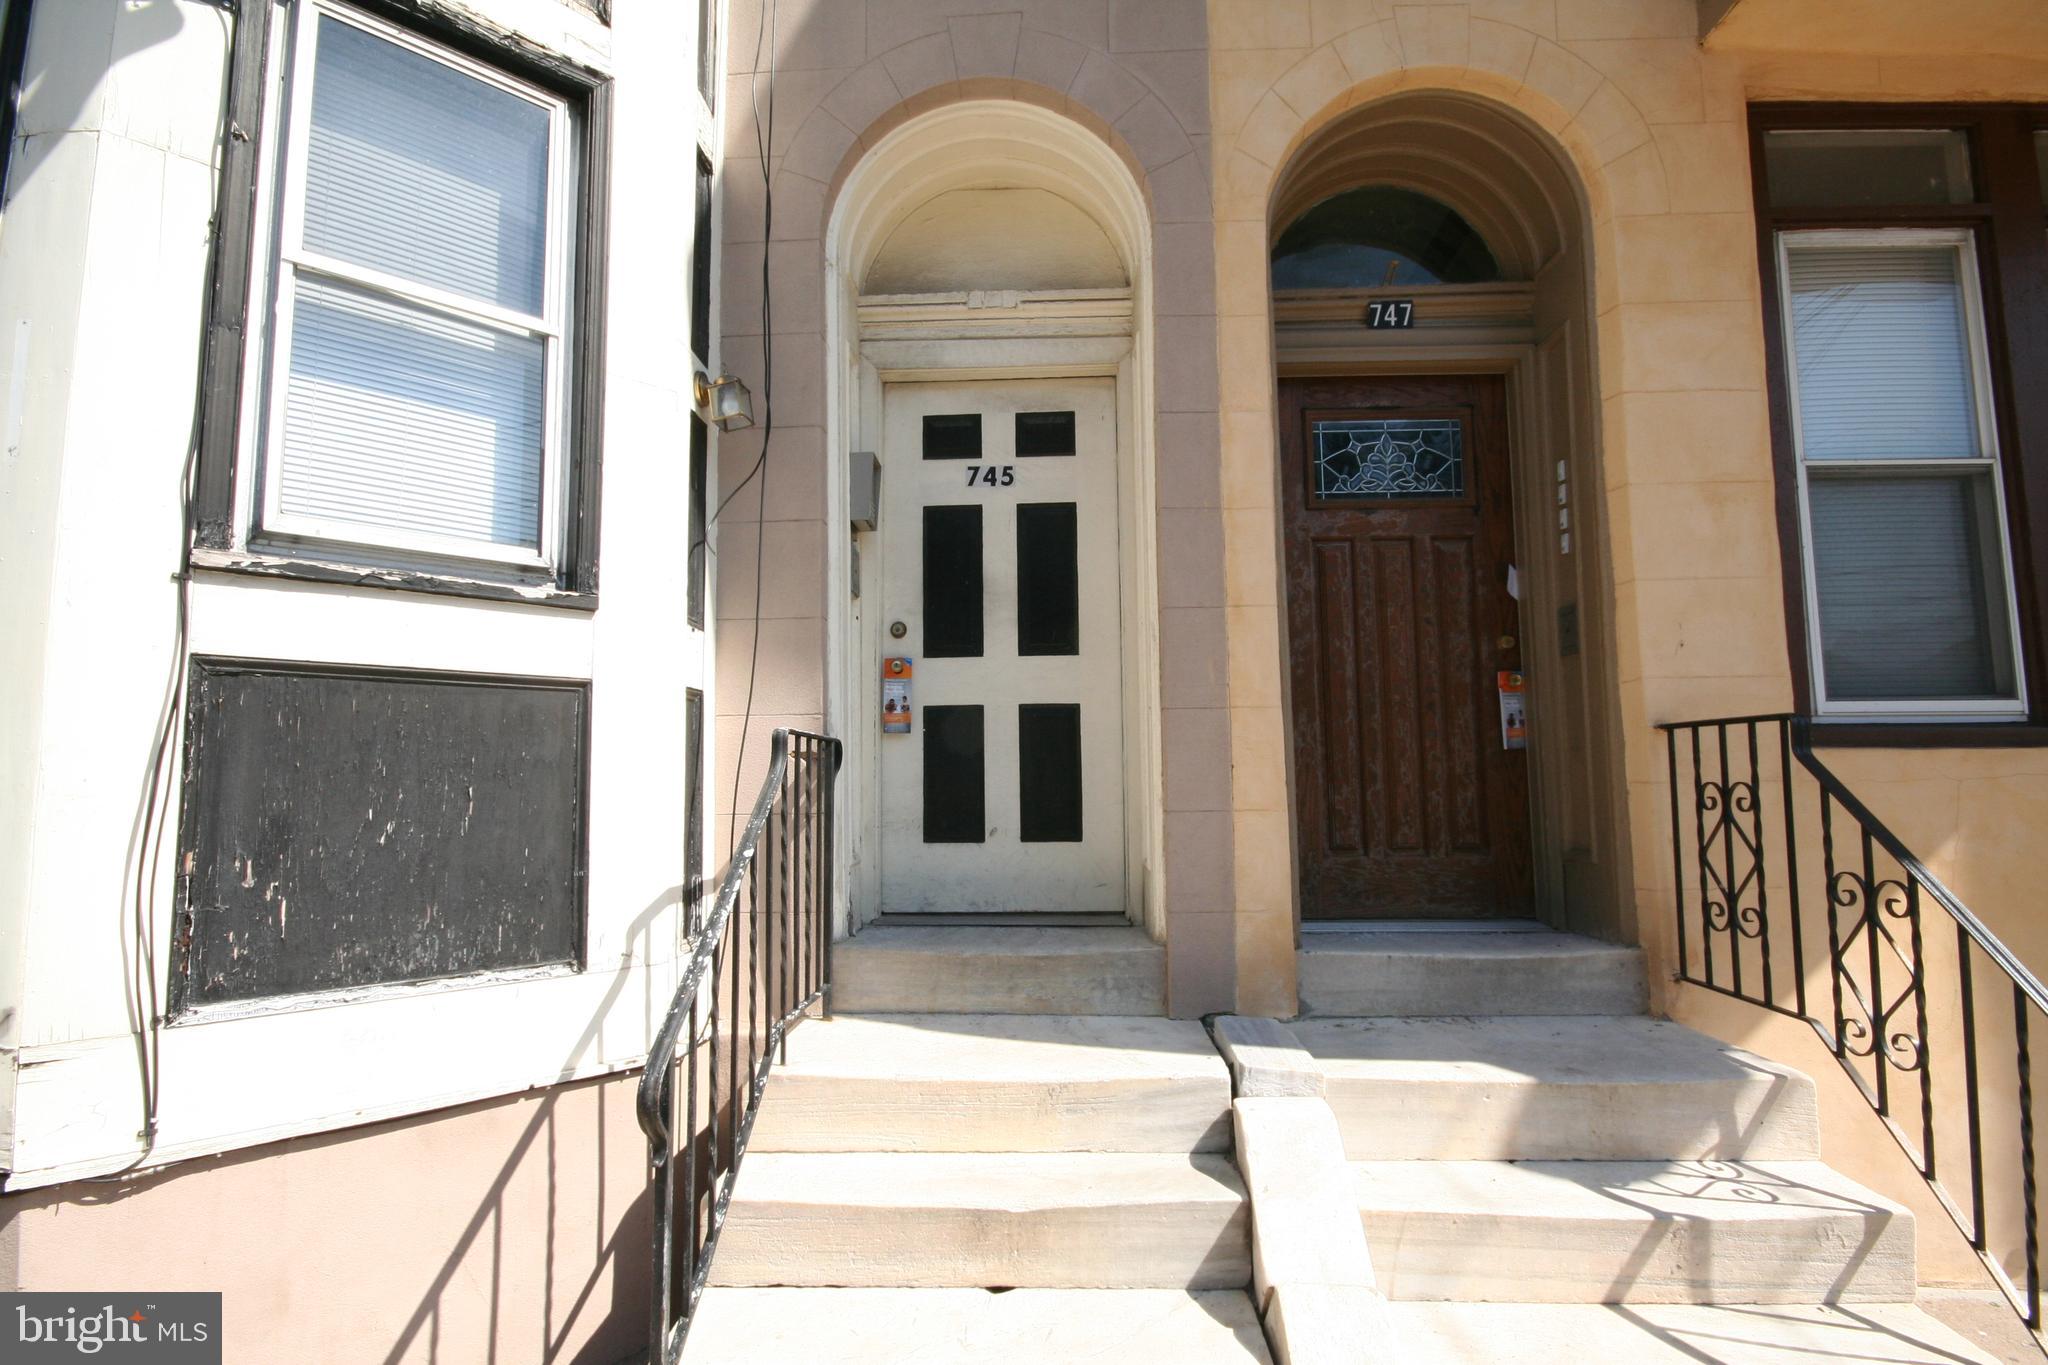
(2007, 220)
(211, 543)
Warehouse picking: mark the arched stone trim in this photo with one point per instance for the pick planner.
(906, 161)
(1600, 137)
(976, 143)
(988, 58)
(1135, 77)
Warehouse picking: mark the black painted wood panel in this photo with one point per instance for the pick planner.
(347, 828)
(955, 776)
(1045, 433)
(1049, 773)
(1048, 579)
(952, 583)
(952, 436)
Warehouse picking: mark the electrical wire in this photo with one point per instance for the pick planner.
(764, 140)
(144, 863)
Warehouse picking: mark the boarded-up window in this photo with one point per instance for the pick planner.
(347, 828)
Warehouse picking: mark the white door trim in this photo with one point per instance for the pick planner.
(1042, 336)
(1048, 334)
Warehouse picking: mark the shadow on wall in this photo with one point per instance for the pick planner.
(53, 100)
(368, 1244)
(622, 1328)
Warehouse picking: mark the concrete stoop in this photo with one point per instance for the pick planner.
(1042, 1220)
(976, 1327)
(944, 1187)
(1001, 969)
(1568, 1088)
(1539, 1173)
(1512, 969)
(1632, 1232)
(1676, 1334)
(997, 1083)
(1545, 1175)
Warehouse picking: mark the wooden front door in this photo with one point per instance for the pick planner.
(1399, 546)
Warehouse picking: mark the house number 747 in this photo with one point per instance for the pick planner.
(991, 475)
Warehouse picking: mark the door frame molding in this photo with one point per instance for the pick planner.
(976, 338)
(1489, 329)
(1050, 334)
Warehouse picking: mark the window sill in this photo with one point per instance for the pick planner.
(272, 1005)
(396, 580)
(1929, 735)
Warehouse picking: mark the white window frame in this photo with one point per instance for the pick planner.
(1963, 242)
(281, 257)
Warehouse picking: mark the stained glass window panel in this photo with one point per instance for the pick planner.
(1389, 458)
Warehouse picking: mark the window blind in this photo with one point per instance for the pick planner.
(400, 417)
(1881, 353)
(415, 168)
(1909, 586)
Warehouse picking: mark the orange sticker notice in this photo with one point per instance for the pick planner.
(1514, 711)
(896, 695)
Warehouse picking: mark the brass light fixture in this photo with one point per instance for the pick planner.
(725, 401)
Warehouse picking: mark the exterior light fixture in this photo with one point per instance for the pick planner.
(726, 401)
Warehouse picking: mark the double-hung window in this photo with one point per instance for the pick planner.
(1892, 314)
(409, 397)
(1908, 579)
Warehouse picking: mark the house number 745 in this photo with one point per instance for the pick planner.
(991, 475)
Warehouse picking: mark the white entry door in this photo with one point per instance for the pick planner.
(1004, 792)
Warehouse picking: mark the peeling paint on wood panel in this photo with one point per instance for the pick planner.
(345, 828)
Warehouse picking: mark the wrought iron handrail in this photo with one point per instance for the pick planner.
(788, 969)
(1875, 890)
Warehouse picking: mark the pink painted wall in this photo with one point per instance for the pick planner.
(511, 1231)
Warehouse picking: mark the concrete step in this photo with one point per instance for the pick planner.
(1631, 1232)
(997, 1083)
(974, 1327)
(1675, 1334)
(914, 969)
(1511, 969)
(1562, 1088)
(968, 1220)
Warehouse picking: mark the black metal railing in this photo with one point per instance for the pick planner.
(763, 958)
(1925, 1009)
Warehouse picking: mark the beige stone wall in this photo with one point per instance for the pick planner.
(1653, 130)
(513, 1231)
(1135, 72)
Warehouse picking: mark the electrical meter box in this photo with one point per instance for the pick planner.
(863, 489)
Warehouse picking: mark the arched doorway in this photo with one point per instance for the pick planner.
(987, 266)
(1450, 689)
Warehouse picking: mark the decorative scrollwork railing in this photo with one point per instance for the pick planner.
(1920, 1003)
(762, 959)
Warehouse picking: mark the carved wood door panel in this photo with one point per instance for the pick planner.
(1399, 542)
